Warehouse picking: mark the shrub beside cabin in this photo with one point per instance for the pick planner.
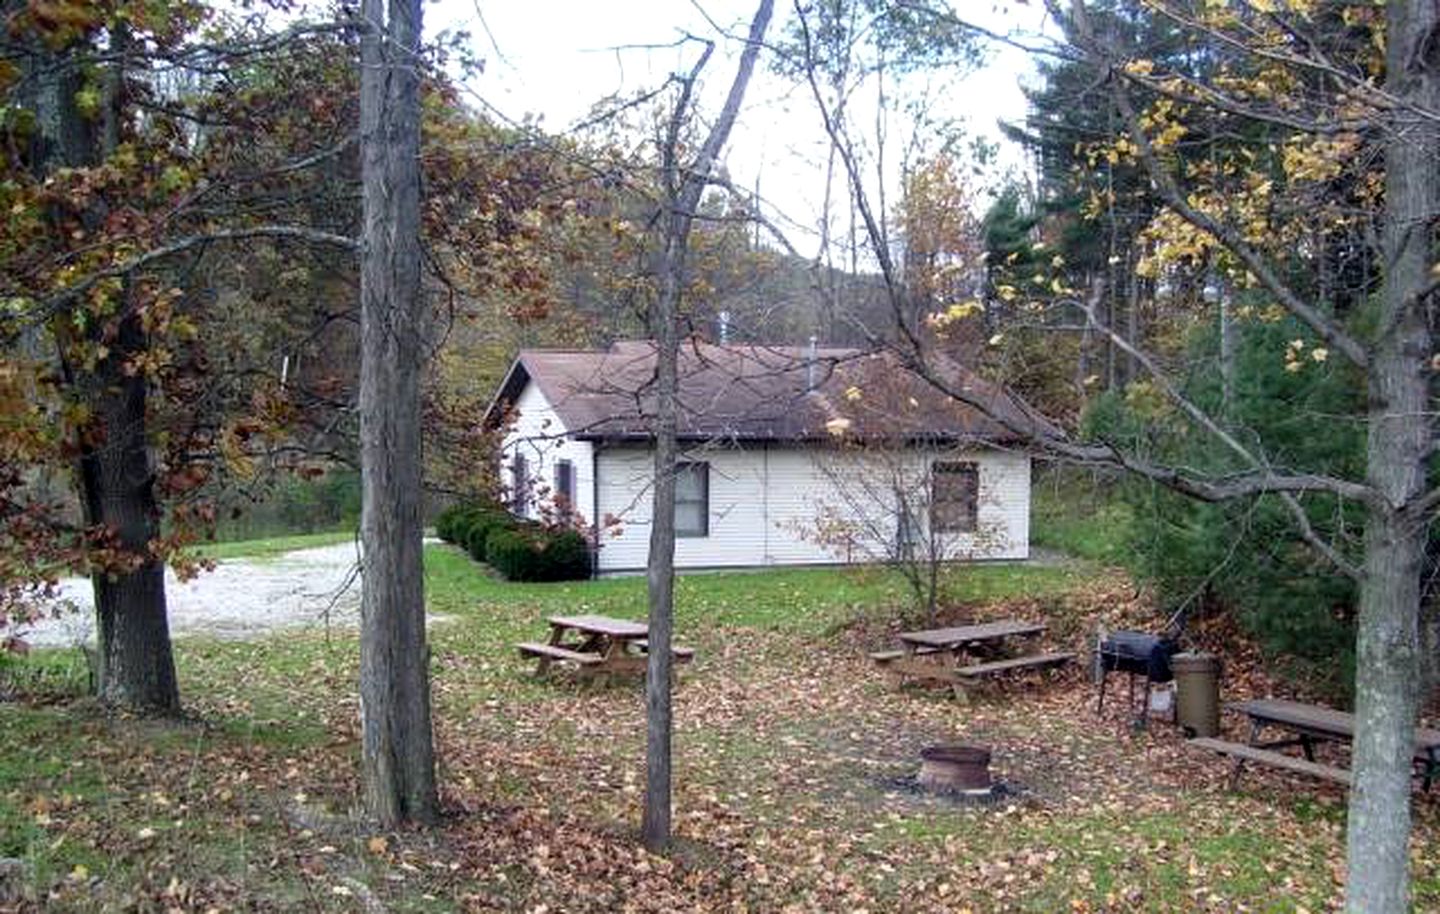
(789, 456)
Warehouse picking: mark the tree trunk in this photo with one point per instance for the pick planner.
(683, 187)
(397, 750)
(655, 829)
(1388, 640)
(135, 667)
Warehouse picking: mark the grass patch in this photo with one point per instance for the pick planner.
(1080, 516)
(271, 546)
(800, 600)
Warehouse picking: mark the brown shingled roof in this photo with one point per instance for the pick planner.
(765, 393)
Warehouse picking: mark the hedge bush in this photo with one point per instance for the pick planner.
(445, 524)
(468, 525)
(477, 529)
(534, 553)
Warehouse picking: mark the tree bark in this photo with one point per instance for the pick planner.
(655, 828)
(1388, 638)
(135, 666)
(683, 187)
(397, 749)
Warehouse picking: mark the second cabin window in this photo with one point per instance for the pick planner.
(954, 496)
(692, 499)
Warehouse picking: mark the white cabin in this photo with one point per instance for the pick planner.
(788, 457)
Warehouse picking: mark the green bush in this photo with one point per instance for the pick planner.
(468, 524)
(534, 553)
(477, 527)
(445, 523)
(449, 525)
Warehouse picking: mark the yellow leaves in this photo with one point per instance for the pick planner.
(959, 311)
(1295, 355)
(1318, 159)
(853, 393)
(1162, 123)
(1122, 150)
(1171, 135)
(1140, 67)
(233, 453)
(1176, 241)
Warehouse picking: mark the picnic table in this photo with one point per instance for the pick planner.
(965, 654)
(596, 645)
(1305, 725)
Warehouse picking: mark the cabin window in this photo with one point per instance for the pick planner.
(954, 496)
(520, 484)
(564, 494)
(692, 499)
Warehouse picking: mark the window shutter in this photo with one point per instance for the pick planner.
(565, 486)
(520, 479)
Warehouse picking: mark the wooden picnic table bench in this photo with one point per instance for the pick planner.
(597, 645)
(1305, 725)
(964, 655)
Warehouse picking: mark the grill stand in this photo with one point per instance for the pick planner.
(1142, 719)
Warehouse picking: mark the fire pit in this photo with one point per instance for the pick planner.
(960, 768)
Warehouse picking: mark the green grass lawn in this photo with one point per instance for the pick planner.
(1076, 515)
(792, 756)
(271, 546)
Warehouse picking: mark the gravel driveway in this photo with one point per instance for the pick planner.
(241, 598)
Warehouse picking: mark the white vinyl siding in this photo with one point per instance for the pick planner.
(539, 434)
(765, 503)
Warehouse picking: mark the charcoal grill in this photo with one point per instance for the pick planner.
(1136, 654)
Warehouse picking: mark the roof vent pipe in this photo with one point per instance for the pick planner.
(810, 365)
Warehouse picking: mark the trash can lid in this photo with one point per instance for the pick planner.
(1194, 660)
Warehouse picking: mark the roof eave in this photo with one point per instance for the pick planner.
(508, 393)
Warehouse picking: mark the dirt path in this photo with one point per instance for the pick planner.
(241, 598)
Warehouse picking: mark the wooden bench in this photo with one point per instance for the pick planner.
(680, 654)
(996, 667)
(884, 657)
(557, 652)
(968, 677)
(1243, 753)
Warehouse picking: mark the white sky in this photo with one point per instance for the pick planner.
(554, 60)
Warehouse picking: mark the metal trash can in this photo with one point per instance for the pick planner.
(1197, 702)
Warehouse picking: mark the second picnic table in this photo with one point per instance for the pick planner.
(1305, 725)
(596, 645)
(950, 654)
